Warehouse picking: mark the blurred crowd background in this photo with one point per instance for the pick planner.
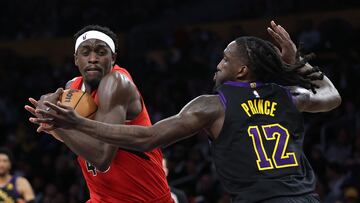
(171, 48)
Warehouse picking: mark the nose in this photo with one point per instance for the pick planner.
(219, 65)
(93, 58)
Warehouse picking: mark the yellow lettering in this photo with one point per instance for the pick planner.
(255, 106)
(260, 106)
(251, 107)
(266, 107)
(273, 109)
(246, 109)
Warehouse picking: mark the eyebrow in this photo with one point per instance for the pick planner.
(225, 55)
(86, 46)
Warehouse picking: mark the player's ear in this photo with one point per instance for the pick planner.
(113, 58)
(75, 59)
(242, 71)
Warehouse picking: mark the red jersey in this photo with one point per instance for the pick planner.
(130, 178)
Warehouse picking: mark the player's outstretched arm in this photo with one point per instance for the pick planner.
(197, 115)
(325, 99)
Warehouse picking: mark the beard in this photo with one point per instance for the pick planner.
(3, 173)
(216, 87)
(93, 82)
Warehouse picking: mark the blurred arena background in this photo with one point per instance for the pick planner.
(172, 48)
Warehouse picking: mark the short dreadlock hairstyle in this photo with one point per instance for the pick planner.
(267, 66)
(99, 28)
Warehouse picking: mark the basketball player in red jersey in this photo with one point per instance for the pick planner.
(113, 175)
(245, 78)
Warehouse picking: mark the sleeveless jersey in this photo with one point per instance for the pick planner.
(8, 192)
(132, 176)
(258, 154)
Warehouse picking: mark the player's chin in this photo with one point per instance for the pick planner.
(216, 87)
(218, 82)
(93, 81)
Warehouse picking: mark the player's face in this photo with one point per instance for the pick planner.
(228, 68)
(5, 164)
(94, 59)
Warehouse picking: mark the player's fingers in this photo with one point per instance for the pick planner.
(54, 107)
(273, 25)
(39, 129)
(64, 106)
(280, 30)
(275, 36)
(45, 113)
(30, 109)
(45, 128)
(59, 91)
(34, 120)
(283, 32)
(33, 102)
(41, 121)
(276, 28)
(48, 129)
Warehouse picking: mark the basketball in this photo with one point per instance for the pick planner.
(82, 103)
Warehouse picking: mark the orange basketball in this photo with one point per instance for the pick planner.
(82, 103)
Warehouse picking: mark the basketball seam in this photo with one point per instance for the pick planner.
(79, 100)
(91, 113)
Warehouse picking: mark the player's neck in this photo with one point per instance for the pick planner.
(5, 179)
(89, 88)
(246, 78)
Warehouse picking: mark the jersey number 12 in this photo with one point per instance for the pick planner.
(280, 157)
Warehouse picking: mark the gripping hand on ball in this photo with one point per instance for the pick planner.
(60, 116)
(36, 105)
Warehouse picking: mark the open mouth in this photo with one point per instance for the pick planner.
(216, 72)
(93, 70)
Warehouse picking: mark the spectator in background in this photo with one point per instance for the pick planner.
(13, 188)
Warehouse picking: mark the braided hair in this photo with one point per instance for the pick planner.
(267, 66)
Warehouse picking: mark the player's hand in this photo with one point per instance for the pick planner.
(32, 110)
(282, 38)
(59, 116)
(51, 97)
(39, 104)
